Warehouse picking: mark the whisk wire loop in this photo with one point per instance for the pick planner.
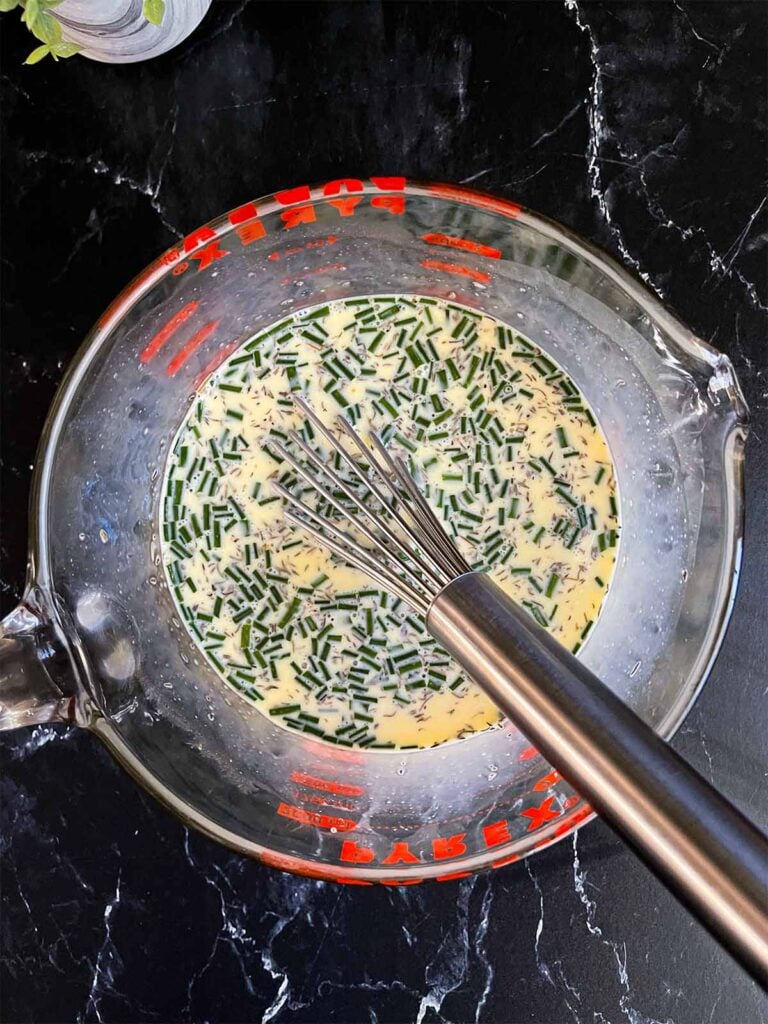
(411, 555)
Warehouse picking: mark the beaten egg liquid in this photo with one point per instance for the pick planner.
(501, 443)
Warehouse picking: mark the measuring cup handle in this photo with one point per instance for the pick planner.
(698, 844)
(31, 660)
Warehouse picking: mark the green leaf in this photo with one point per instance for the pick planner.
(154, 11)
(38, 54)
(8, 5)
(31, 11)
(65, 49)
(46, 28)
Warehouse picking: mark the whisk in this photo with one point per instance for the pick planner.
(696, 842)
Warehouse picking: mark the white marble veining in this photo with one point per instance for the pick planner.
(594, 115)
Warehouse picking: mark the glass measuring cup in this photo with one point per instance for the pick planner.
(96, 640)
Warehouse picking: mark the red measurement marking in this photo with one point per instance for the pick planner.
(325, 801)
(333, 188)
(298, 215)
(503, 206)
(574, 819)
(453, 846)
(346, 207)
(451, 878)
(149, 272)
(251, 232)
(170, 256)
(328, 786)
(352, 881)
(167, 330)
(457, 268)
(243, 213)
(195, 238)
(563, 829)
(294, 195)
(451, 242)
(192, 345)
(401, 854)
(313, 818)
(396, 184)
(395, 204)
(328, 267)
(404, 881)
(528, 754)
(548, 780)
(209, 254)
(287, 863)
(541, 815)
(354, 853)
(316, 243)
(497, 832)
(506, 860)
(214, 364)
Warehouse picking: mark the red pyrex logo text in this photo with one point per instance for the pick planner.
(204, 248)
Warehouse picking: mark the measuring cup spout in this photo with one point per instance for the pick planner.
(36, 677)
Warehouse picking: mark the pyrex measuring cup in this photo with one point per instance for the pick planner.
(96, 640)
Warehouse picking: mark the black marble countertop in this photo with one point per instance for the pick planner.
(640, 126)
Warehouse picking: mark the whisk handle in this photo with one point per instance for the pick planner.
(695, 841)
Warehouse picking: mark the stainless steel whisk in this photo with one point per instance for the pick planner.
(699, 845)
(412, 559)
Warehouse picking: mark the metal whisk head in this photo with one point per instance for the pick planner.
(407, 552)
